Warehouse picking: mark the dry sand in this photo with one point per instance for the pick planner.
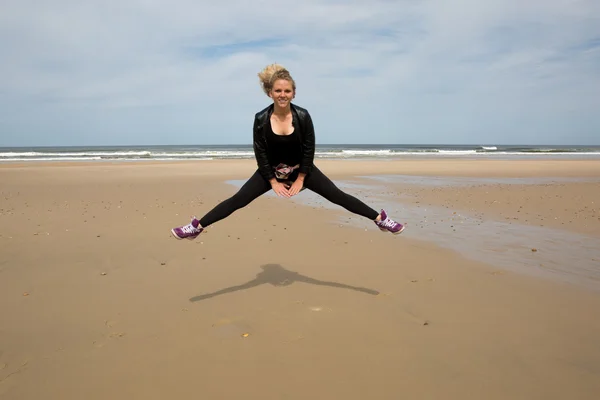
(279, 301)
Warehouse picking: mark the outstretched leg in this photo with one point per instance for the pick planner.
(255, 187)
(322, 185)
(252, 189)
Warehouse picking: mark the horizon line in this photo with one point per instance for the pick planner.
(316, 145)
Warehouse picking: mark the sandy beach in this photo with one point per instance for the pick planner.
(492, 292)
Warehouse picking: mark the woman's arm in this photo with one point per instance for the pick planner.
(308, 144)
(260, 152)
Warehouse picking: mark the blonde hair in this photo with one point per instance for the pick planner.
(270, 74)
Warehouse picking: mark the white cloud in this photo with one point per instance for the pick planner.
(386, 71)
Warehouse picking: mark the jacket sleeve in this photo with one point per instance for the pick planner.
(260, 152)
(308, 145)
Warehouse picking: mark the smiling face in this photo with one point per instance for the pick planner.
(282, 93)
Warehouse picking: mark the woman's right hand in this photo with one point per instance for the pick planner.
(280, 189)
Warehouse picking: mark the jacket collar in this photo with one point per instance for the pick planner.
(268, 111)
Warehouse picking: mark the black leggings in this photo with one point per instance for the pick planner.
(257, 185)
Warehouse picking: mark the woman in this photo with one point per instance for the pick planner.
(284, 146)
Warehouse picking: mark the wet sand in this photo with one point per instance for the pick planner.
(296, 299)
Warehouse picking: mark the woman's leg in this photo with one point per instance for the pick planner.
(253, 188)
(322, 185)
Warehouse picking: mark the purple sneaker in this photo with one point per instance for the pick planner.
(189, 231)
(388, 225)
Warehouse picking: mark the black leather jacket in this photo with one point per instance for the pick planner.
(302, 123)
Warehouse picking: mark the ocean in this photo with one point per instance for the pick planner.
(328, 151)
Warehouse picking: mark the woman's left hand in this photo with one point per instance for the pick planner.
(296, 187)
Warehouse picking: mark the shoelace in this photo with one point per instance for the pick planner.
(387, 223)
(189, 228)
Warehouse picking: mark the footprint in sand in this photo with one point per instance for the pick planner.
(109, 324)
(20, 369)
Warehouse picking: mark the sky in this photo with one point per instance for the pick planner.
(159, 72)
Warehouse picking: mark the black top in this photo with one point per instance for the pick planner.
(285, 149)
(303, 128)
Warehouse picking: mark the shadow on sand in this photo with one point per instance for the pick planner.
(276, 275)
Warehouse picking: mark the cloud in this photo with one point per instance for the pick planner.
(383, 71)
